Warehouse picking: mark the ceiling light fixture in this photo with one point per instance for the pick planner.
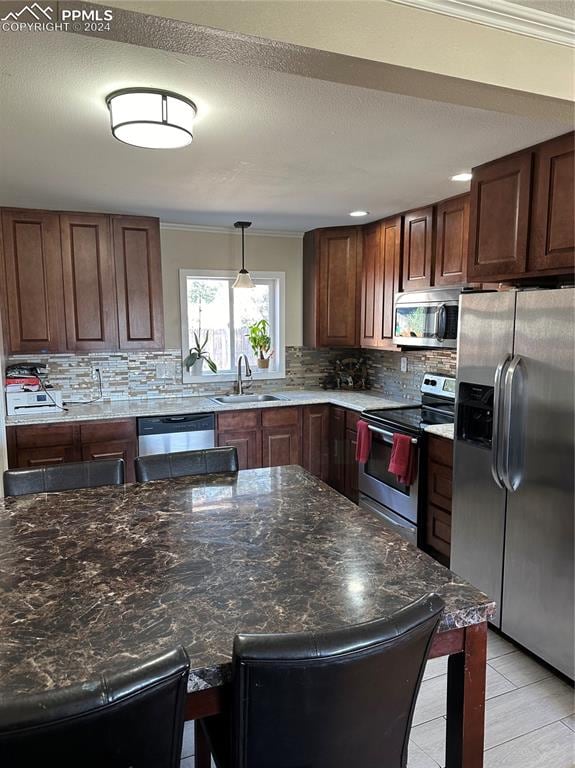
(151, 118)
(243, 280)
(465, 176)
(359, 213)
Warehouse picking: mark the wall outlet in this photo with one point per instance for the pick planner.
(403, 364)
(96, 373)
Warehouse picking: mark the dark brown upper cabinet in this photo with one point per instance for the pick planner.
(80, 282)
(499, 218)
(451, 238)
(552, 243)
(89, 284)
(34, 298)
(139, 282)
(417, 262)
(332, 287)
(380, 275)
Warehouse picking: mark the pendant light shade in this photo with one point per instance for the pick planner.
(243, 280)
(150, 118)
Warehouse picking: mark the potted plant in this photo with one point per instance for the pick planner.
(195, 360)
(260, 342)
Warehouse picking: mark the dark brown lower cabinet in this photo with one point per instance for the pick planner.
(315, 440)
(267, 437)
(344, 471)
(39, 445)
(241, 430)
(337, 452)
(439, 495)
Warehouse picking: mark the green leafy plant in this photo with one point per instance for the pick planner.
(198, 352)
(259, 339)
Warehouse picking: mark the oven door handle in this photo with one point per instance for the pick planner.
(385, 433)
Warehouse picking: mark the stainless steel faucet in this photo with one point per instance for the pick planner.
(239, 381)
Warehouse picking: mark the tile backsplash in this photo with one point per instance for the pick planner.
(159, 374)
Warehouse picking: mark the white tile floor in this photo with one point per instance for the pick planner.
(529, 714)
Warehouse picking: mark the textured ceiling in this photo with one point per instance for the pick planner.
(284, 151)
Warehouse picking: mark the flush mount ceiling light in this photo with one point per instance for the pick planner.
(359, 213)
(466, 176)
(243, 280)
(151, 118)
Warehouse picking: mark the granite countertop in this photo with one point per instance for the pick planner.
(170, 406)
(100, 578)
(441, 430)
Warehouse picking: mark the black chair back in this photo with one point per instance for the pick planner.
(135, 718)
(64, 477)
(327, 700)
(203, 462)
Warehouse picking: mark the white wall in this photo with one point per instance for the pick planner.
(192, 248)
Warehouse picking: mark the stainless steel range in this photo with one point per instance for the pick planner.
(380, 490)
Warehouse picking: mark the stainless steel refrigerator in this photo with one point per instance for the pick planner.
(513, 505)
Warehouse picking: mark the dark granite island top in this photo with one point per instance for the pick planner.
(98, 578)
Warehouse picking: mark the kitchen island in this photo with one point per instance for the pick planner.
(98, 579)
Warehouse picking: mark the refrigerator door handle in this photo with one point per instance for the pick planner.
(495, 441)
(513, 425)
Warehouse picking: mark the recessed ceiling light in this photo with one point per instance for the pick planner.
(462, 177)
(358, 213)
(150, 118)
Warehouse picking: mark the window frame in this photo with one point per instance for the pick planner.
(277, 306)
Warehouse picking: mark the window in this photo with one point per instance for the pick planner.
(210, 305)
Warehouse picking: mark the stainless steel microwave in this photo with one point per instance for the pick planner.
(427, 318)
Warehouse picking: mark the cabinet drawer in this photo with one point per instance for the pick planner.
(234, 420)
(280, 417)
(351, 419)
(40, 435)
(104, 431)
(31, 458)
(440, 451)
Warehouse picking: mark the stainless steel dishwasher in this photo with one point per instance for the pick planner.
(172, 434)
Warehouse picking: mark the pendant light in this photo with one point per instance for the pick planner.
(243, 280)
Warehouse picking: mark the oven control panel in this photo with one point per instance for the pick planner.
(438, 384)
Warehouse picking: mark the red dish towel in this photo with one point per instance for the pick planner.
(363, 446)
(402, 461)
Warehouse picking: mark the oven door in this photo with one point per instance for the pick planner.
(426, 324)
(394, 522)
(382, 486)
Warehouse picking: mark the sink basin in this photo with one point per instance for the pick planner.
(231, 399)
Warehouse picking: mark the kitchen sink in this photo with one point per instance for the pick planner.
(231, 399)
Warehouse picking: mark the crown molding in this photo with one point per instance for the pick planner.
(504, 15)
(229, 230)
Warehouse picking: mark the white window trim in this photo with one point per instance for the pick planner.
(259, 374)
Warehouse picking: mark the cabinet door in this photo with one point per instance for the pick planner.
(34, 295)
(371, 287)
(280, 446)
(499, 218)
(136, 244)
(114, 449)
(315, 442)
(552, 243)
(351, 467)
(337, 454)
(417, 260)
(89, 283)
(389, 272)
(452, 230)
(248, 444)
(339, 284)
